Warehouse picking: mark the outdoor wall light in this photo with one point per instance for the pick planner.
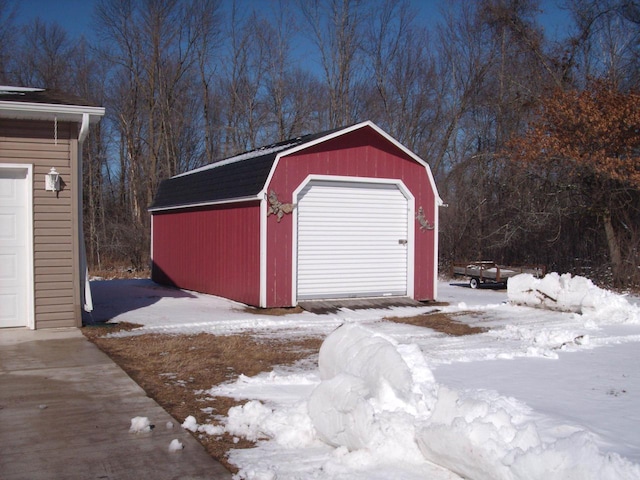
(52, 181)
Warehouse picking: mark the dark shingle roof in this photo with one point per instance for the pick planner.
(236, 177)
(35, 95)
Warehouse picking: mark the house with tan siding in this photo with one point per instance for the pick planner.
(43, 280)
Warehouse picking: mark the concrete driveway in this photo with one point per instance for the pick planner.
(65, 413)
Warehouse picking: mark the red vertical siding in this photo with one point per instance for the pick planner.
(214, 250)
(362, 153)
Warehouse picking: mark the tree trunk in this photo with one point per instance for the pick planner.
(614, 249)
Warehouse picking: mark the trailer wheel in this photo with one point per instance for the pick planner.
(474, 282)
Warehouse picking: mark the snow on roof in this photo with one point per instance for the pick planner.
(41, 96)
(6, 89)
(238, 158)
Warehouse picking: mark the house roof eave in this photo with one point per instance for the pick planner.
(49, 111)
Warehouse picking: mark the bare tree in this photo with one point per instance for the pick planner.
(606, 41)
(290, 106)
(43, 57)
(7, 34)
(155, 49)
(336, 28)
(404, 96)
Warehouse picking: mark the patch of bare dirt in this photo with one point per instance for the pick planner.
(172, 368)
(278, 312)
(440, 322)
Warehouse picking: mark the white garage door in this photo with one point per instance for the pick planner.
(14, 288)
(352, 240)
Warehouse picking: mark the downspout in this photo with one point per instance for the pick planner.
(85, 293)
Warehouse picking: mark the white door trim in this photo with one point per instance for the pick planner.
(361, 180)
(30, 294)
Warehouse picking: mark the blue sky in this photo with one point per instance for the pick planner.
(75, 15)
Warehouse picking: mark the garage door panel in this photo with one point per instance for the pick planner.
(351, 240)
(13, 248)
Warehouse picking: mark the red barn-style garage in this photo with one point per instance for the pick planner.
(349, 213)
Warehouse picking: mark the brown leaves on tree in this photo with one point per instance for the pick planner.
(595, 131)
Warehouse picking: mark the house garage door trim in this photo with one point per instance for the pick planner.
(16, 206)
(372, 251)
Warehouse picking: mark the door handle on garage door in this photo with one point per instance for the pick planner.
(402, 241)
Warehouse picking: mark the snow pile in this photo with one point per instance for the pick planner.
(566, 293)
(175, 446)
(190, 423)
(140, 425)
(289, 426)
(370, 387)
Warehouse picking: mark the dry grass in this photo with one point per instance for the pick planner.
(174, 370)
(440, 322)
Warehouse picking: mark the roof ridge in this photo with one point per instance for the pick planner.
(263, 150)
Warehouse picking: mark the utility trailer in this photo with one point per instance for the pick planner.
(486, 272)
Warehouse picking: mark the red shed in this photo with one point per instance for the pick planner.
(340, 214)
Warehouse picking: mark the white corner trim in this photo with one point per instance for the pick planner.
(263, 252)
(436, 245)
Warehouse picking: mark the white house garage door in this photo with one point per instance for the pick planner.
(14, 291)
(351, 240)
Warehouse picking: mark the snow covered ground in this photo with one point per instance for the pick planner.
(551, 390)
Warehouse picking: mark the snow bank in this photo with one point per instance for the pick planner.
(571, 294)
(376, 395)
(483, 436)
(377, 412)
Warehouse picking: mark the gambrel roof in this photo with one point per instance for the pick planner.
(243, 177)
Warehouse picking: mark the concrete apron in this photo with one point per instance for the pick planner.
(65, 413)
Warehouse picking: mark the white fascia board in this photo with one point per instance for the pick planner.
(48, 111)
(254, 198)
